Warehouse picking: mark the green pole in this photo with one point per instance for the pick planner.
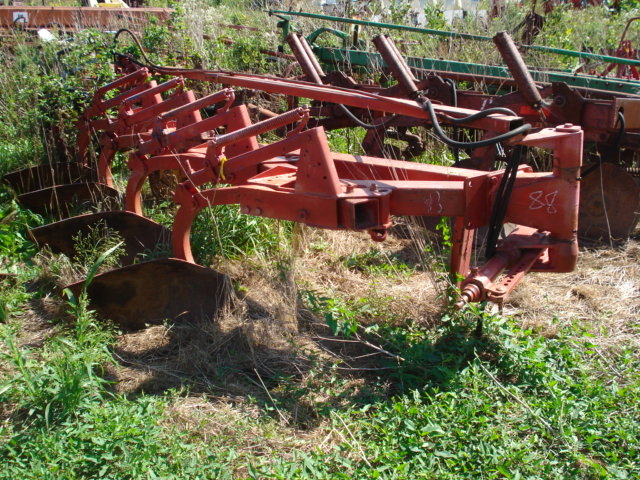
(464, 36)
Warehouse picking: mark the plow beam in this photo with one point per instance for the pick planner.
(189, 125)
(126, 84)
(142, 97)
(189, 113)
(200, 166)
(135, 126)
(354, 98)
(95, 117)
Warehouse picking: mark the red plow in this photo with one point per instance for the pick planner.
(220, 161)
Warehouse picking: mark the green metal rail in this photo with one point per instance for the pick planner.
(465, 36)
(361, 58)
(364, 59)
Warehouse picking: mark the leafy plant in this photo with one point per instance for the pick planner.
(51, 392)
(15, 246)
(342, 316)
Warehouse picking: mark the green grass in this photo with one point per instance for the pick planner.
(15, 246)
(376, 262)
(223, 231)
(507, 404)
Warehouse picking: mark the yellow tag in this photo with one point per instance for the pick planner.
(223, 160)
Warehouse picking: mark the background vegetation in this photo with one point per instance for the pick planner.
(340, 359)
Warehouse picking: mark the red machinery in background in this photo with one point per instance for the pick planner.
(70, 19)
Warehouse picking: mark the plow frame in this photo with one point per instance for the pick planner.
(270, 180)
(299, 179)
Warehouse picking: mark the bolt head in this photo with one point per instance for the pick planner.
(568, 128)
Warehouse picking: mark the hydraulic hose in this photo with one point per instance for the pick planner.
(428, 107)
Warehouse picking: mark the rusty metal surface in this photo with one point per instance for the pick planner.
(64, 200)
(518, 69)
(44, 176)
(630, 108)
(152, 292)
(139, 233)
(305, 60)
(323, 93)
(396, 64)
(71, 18)
(609, 203)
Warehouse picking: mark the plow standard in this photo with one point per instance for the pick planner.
(221, 161)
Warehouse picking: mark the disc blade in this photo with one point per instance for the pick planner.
(62, 200)
(45, 176)
(609, 203)
(152, 292)
(139, 233)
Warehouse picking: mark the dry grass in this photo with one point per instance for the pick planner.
(269, 340)
(415, 296)
(269, 334)
(602, 294)
(222, 356)
(38, 321)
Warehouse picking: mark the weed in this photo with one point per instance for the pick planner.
(17, 152)
(15, 246)
(376, 262)
(50, 392)
(90, 246)
(346, 140)
(342, 316)
(225, 231)
(507, 405)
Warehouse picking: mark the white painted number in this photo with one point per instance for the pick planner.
(540, 200)
(433, 203)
